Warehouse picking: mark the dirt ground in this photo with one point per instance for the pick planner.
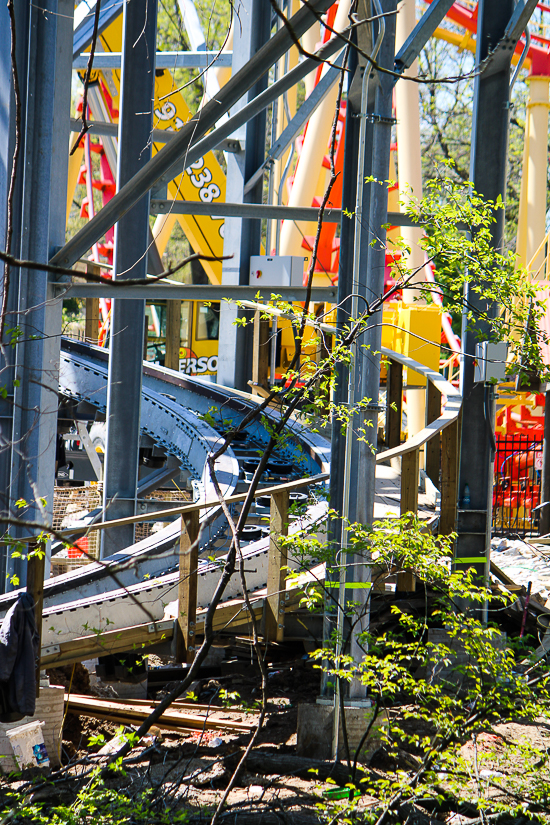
(192, 771)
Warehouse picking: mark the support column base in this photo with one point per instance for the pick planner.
(315, 731)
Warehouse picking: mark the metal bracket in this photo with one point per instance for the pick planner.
(162, 625)
(49, 650)
(374, 118)
(84, 436)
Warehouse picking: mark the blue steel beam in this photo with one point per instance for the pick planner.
(488, 163)
(7, 142)
(421, 33)
(164, 60)
(84, 20)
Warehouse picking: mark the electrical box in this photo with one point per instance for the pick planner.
(276, 270)
(490, 362)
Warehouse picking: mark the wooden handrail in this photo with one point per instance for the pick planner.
(447, 417)
(193, 508)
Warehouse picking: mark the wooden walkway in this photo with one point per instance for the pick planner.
(388, 496)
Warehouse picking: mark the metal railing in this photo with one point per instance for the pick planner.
(516, 487)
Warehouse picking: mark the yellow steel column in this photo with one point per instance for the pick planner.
(407, 105)
(223, 75)
(537, 163)
(309, 42)
(521, 240)
(162, 229)
(75, 162)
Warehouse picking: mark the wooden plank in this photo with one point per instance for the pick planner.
(258, 390)
(36, 565)
(406, 581)
(229, 615)
(170, 725)
(91, 706)
(181, 704)
(277, 558)
(433, 411)
(173, 714)
(449, 414)
(173, 324)
(260, 355)
(394, 404)
(449, 478)
(187, 588)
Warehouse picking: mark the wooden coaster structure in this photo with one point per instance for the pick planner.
(440, 436)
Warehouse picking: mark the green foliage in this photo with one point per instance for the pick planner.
(439, 680)
(97, 802)
(233, 699)
(472, 276)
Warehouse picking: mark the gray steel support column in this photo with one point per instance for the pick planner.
(362, 272)
(59, 167)
(41, 232)
(369, 282)
(243, 238)
(7, 142)
(340, 393)
(488, 173)
(131, 241)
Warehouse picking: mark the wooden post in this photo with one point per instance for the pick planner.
(36, 565)
(187, 588)
(91, 324)
(260, 356)
(276, 586)
(449, 477)
(409, 482)
(394, 396)
(410, 466)
(173, 323)
(433, 411)
(91, 330)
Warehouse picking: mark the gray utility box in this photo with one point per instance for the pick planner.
(490, 362)
(276, 270)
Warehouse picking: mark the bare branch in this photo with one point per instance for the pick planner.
(85, 125)
(101, 279)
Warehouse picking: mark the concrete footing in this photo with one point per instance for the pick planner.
(315, 732)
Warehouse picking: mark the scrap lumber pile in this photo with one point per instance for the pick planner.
(180, 717)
